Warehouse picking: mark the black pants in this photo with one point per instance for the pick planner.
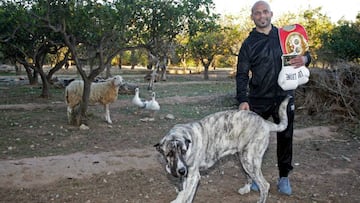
(270, 107)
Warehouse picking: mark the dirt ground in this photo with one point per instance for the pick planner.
(126, 168)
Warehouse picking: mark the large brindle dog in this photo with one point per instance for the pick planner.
(189, 148)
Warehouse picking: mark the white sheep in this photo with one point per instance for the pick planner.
(102, 92)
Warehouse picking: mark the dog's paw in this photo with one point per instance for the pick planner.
(244, 190)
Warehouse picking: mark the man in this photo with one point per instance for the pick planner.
(261, 54)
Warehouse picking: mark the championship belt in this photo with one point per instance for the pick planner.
(294, 42)
(293, 39)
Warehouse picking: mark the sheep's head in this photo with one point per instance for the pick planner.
(118, 80)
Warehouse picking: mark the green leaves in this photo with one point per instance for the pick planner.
(343, 42)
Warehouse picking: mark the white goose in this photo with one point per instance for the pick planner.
(152, 104)
(137, 101)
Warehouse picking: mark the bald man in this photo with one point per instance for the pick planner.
(261, 55)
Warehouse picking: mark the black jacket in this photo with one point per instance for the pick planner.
(260, 54)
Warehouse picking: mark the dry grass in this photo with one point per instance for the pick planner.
(333, 94)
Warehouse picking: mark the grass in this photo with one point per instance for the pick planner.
(22, 94)
(44, 131)
(175, 86)
(186, 90)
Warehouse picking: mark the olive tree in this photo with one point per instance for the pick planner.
(167, 19)
(205, 46)
(94, 34)
(24, 42)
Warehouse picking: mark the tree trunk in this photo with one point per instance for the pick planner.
(85, 100)
(57, 67)
(163, 74)
(108, 71)
(79, 114)
(45, 93)
(153, 76)
(34, 80)
(133, 59)
(29, 71)
(152, 61)
(17, 69)
(163, 66)
(31, 74)
(206, 64)
(120, 59)
(206, 72)
(120, 63)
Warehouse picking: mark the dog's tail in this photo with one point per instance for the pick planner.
(283, 116)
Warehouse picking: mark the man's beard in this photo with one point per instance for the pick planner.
(263, 23)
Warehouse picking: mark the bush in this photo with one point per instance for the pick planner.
(333, 93)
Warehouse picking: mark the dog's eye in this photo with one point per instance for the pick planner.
(170, 154)
(183, 151)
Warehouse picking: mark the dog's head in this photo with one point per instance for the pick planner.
(174, 152)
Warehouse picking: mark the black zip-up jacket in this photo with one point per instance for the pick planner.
(260, 54)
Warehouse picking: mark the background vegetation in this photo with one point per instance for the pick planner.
(184, 34)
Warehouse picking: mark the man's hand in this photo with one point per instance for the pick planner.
(244, 106)
(298, 61)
